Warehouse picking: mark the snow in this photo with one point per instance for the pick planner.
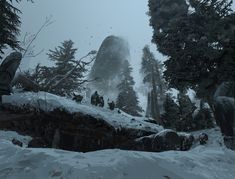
(211, 161)
(48, 102)
(9, 135)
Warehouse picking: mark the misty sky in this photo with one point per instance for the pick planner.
(88, 23)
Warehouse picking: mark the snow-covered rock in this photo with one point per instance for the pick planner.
(49, 102)
(10, 135)
(165, 140)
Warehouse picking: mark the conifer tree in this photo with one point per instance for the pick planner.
(171, 112)
(64, 58)
(203, 118)
(186, 109)
(10, 23)
(199, 42)
(127, 99)
(152, 71)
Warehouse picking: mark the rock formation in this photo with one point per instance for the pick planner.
(224, 103)
(7, 72)
(111, 55)
(84, 133)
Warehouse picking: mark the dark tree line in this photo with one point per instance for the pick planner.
(199, 42)
(9, 25)
(183, 117)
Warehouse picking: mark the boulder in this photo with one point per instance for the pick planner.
(163, 141)
(7, 72)
(224, 105)
(166, 140)
(203, 138)
(17, 142)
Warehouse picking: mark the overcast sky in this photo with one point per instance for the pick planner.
(88, 23)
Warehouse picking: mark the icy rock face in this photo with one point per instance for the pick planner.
(7, 72)
(224, 102)
(111, 55)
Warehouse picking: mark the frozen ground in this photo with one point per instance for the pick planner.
(212, 161)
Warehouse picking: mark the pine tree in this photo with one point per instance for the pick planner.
(127, 99)
(64, 58)
(199, 43)
(171, 112)
(186, 109)
(204, 118)
(152, 71)
(10, 23)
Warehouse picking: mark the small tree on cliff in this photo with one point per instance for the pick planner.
(127, 99)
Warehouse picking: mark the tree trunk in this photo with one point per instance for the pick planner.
(148, 109)
(154, 106)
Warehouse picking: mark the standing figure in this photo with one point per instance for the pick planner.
(95, 98)
(111, 105)
(101, 101)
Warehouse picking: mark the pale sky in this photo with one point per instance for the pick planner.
(88, 23)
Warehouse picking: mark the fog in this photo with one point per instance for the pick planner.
(88, 23)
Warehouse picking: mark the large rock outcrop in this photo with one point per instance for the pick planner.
(111, 55)
(7, 72)
(224, 103)
(84, 133)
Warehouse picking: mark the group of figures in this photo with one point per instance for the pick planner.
(98, 100)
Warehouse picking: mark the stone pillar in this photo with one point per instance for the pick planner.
(224, 103)
(7, 72)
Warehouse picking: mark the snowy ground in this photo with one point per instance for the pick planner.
(212, 161)
(48, 102)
